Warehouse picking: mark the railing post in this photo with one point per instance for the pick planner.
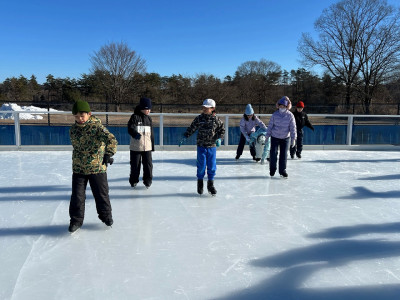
(17, 129)
(349, 130)
(226, 142)
(161, 130)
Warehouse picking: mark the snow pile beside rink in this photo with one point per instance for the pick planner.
(24, 116)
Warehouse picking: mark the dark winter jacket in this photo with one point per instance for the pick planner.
(210, 128)
(142, 124)
(90, 141)
(302, 120)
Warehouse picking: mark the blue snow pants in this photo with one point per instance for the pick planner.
(206, 158)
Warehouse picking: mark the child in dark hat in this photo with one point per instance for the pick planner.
(140, 128)
(93, 148)
(301, 121)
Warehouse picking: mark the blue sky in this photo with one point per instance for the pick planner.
(174, 37)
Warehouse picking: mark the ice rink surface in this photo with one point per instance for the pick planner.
(330, 231)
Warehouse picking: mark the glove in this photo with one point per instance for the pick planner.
(218, 143)
(138, 136)
(107, 159)
(183, 140)
(248, 139)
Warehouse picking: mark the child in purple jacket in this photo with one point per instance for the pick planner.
(281, 129)
(247, 126)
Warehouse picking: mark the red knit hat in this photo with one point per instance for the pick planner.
(300, 104)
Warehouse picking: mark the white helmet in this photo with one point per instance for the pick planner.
(209, 103)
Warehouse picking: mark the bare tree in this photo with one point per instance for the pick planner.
(116, 65)
(255, 78)
(354, 35)
(379, 49)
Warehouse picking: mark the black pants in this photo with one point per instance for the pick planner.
(99, 185)
(240, 147)
(283, 145)
(299, 143)
(137, 158)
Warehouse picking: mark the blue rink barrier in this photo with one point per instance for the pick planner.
(323, 135)
(330, 130)
(7, 135)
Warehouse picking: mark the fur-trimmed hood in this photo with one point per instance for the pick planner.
(282, 100)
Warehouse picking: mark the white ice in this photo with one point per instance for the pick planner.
(330, 231)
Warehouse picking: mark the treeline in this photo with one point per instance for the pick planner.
(321, 94)
(358, 46)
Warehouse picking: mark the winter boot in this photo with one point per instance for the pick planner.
(200, 186)
(210, 187)
(272, 172)
(284, 174)
(298, 154)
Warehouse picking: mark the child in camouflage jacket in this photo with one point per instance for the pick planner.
(93, 146)
(210, 131)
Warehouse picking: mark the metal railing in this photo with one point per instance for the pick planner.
(230, 121)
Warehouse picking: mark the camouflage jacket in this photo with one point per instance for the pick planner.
(90, 141)
(210, 128)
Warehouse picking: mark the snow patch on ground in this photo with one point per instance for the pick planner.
(23, 116)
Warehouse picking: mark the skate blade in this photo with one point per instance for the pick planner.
(72, 233)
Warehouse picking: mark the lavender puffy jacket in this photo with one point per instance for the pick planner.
(282, 125)
(247, 127)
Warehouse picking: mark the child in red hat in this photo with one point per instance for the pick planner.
(301, 121)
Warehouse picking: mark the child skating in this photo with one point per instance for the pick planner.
(301, 121)
(210, 132)
(93, 148)
(248, 125)
(141, 146)
(261, 145)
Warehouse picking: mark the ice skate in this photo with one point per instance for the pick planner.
(210, 187)
(284, 174)
(73, 227)
(200, 186)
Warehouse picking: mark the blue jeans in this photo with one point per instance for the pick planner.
(206, 158)
(283, 145)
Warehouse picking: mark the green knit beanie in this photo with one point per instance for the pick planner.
(80, 106)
